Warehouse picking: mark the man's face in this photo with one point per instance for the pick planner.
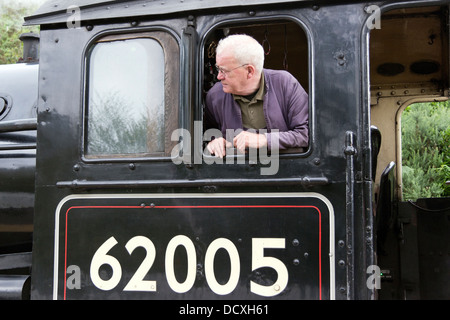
(232, 74)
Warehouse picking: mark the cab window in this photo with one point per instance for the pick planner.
(285, 45)
(129, 109)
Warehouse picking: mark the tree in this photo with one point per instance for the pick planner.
(113, 129)
(11, 20)
(426, 150)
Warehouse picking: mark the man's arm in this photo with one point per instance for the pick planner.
(296, 112)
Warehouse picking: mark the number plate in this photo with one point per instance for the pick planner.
(190, 246)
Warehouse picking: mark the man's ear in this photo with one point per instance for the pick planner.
(251, 71)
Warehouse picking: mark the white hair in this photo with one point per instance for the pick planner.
(244, 48)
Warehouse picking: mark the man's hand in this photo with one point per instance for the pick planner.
(242, 141)
(247, 139)
(217, 147)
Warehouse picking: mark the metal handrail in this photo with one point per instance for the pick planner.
(18, 125)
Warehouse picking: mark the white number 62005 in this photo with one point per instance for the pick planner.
(137, 282)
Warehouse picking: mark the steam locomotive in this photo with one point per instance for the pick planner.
(98, 202)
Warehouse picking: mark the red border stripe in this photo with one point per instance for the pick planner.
(195, 207)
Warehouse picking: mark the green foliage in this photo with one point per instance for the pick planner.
(113, 129)
(11, 20)
(426, 150)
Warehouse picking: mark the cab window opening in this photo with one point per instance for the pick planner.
(409, 84)
(285, 47)
(425, 151)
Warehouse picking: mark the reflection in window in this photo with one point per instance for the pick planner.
(126, 98)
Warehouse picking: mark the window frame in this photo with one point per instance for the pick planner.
(172, 75)
(242, 23)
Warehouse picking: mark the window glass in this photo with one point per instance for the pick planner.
(126, 113)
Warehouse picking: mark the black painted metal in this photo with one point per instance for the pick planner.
(59, 131)
(336, 169)
(18, 88)
(18, 125)
(14, 287)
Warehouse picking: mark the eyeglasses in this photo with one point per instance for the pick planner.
(226, 72)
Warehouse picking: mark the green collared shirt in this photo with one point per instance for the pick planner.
(252, 108)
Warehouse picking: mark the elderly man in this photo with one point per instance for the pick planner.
(251, 97)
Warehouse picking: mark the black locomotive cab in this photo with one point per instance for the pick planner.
(130, 204)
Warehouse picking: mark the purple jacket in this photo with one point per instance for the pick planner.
(285, 108)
